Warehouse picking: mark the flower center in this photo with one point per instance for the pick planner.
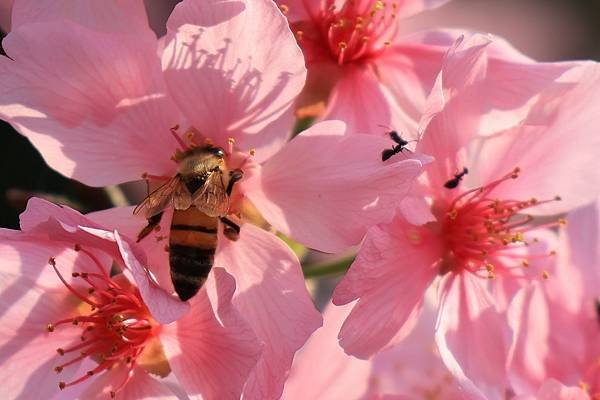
(114, 325)
(355, 30)
(482, 232)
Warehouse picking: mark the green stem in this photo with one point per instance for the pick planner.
(334, 267)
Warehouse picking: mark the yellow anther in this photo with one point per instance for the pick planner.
(231, 141)
(284, 9)
(342, 46)
(50, 327)
(562, 221)
(545, 274)
(378, 5)
(489, 267)
(452, 214)
(518, 237)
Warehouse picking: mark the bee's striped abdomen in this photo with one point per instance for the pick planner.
(192, 245)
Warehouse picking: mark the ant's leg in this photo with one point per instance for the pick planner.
(236, 175)
(231, 230)
(153, 222)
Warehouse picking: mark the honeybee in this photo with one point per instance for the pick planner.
(199, 194)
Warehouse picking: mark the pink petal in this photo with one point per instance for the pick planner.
(322, 369)
(228, 88)
(25, 310)
(212, 349)
(392, 271)
(449, 122)
(92, 103)
(409, 68)
(550, 164)
(140, 386)
(365, 104)
(529, 320)
(472, 337)
(273, 298)
(414, 367)
(340, 179)
(28, 255)
(554, 390)
(579, 261)
(100, 15)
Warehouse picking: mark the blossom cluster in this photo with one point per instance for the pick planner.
(459, 174)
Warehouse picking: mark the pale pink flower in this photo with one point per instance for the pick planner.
(464, 240)
(68, 324)
(86, 86)
(557, 333)
(372, 74)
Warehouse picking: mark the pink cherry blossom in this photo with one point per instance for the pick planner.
(88, 89)
(556, 326)
(371, 73)
(69, 324)
(464, 240)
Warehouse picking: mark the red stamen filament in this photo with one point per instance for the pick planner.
(115, 333)
(480, 229)
(358, 29)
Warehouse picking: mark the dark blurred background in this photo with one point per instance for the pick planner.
(547, 30)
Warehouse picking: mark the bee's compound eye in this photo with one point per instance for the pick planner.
(217, 151)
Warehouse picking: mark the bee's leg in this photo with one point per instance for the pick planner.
(235, 176)
(153, 222)
(231, 230)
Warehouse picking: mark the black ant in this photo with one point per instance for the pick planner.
(388, 153)
(453, 183)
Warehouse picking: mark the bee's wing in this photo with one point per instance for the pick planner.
(172, 193)
(212, 197)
